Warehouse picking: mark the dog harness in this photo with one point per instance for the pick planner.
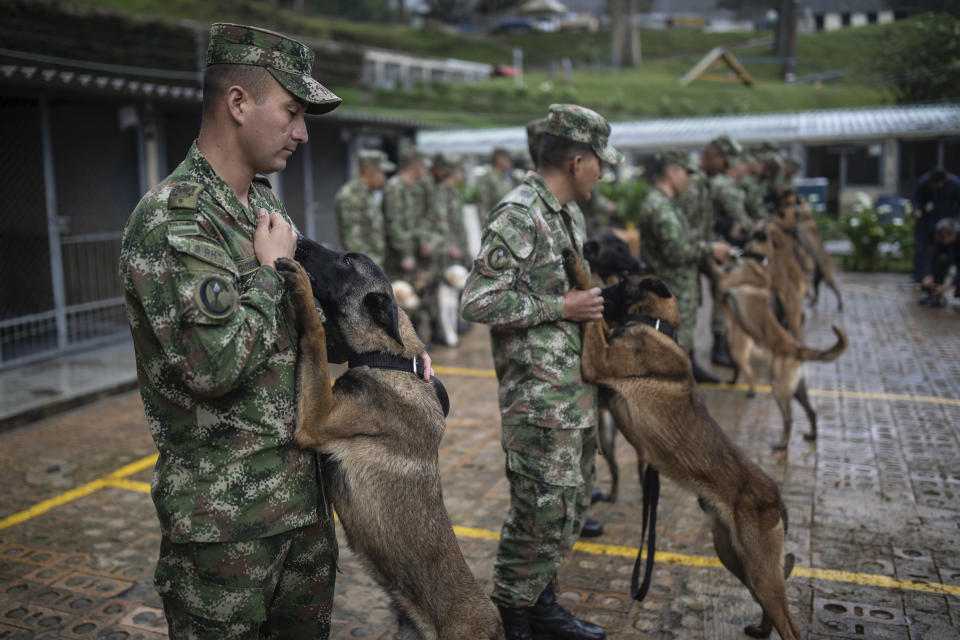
(384, 360)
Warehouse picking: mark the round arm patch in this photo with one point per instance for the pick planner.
(216, 297)
(498, 257)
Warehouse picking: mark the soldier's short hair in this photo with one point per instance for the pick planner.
(218, 78)
(554, 152)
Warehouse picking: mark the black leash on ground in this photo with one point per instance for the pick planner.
(651, 495)
(383, 360)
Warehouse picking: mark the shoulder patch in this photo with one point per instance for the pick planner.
(215, 297)
(497, 258)
(184, 195)
(515, 230)
(203, 250)
(183, 228)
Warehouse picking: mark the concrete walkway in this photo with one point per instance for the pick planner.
(874, 503)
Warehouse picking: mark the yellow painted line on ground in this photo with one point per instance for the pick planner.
(760, 388)
(665, 557)
(129, 485)
(118, 480)
(80, 492)
(42, 507)
(461, 371)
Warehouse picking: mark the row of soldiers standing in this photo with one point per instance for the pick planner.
(697, 210)
(415, 230)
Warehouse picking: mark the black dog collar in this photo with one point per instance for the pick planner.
(759, 257)
(662, 326)
(383, 360)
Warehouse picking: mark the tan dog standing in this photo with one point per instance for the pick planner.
(744, 293)
(650, 389)
(379, 430)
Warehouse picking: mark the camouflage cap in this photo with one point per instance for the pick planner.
(411, 154)
(500, 151)
(580, 124)
(375, 158)
(440, 159)
(287, 60)
(677, 157)
(729, 147)
(535, 129)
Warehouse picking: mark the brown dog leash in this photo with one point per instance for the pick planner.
(384, 360)
(651, 496)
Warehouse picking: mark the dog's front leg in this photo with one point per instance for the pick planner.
(314, 393)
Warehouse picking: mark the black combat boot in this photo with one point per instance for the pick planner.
(516, 623)
(699, 374)
(549, 620)
(591, 528)
(719, 354)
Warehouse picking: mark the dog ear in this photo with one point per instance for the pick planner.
(383, 310)
(657, 286)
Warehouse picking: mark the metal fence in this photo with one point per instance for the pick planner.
(61, 292)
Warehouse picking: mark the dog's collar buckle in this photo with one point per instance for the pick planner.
(662, 326)
(415, 366)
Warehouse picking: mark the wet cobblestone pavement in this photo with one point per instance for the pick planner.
(874, 504)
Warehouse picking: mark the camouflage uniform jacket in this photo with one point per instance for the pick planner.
(360, 220)
(449, 204)
(215, 348)
(517, 286)
(753, 190)
(729, 200)
(671, 247)
(403, 208)
(696, 203)
(491, 187)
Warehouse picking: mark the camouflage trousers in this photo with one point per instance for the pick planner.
(551, 474)
(275, 587)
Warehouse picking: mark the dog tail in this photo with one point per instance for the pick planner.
(829, 355)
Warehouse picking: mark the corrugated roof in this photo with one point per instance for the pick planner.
(833, 125)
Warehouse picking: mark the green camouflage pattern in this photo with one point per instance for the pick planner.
(753, 192)
(729, 200)
(492, 186)
(677, 157)
(278, 587)
(448, 204)
(516, 286)
(672, 249)
(573, 122)
(535, 129)
(551, 474)
(360, 221)
(375, 158)
(404, 208)
(696, 203)
(287, 60)
(215, 345)
(729, 147)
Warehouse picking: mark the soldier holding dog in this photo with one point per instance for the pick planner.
(248, 547)
(518, 286)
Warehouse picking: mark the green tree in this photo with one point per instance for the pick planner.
(919, 59)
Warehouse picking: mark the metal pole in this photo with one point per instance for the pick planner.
(53, 227)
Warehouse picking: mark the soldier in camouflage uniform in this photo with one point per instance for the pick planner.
(752, 185)
(404, 207)
(548, 413)
(248, 547)
(493, 182)
(730, 216)
(672, 247)
(359, 216)
(448, 205)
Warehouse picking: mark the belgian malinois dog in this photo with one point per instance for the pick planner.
(744, 292)
(648, 381)
(379, 431)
